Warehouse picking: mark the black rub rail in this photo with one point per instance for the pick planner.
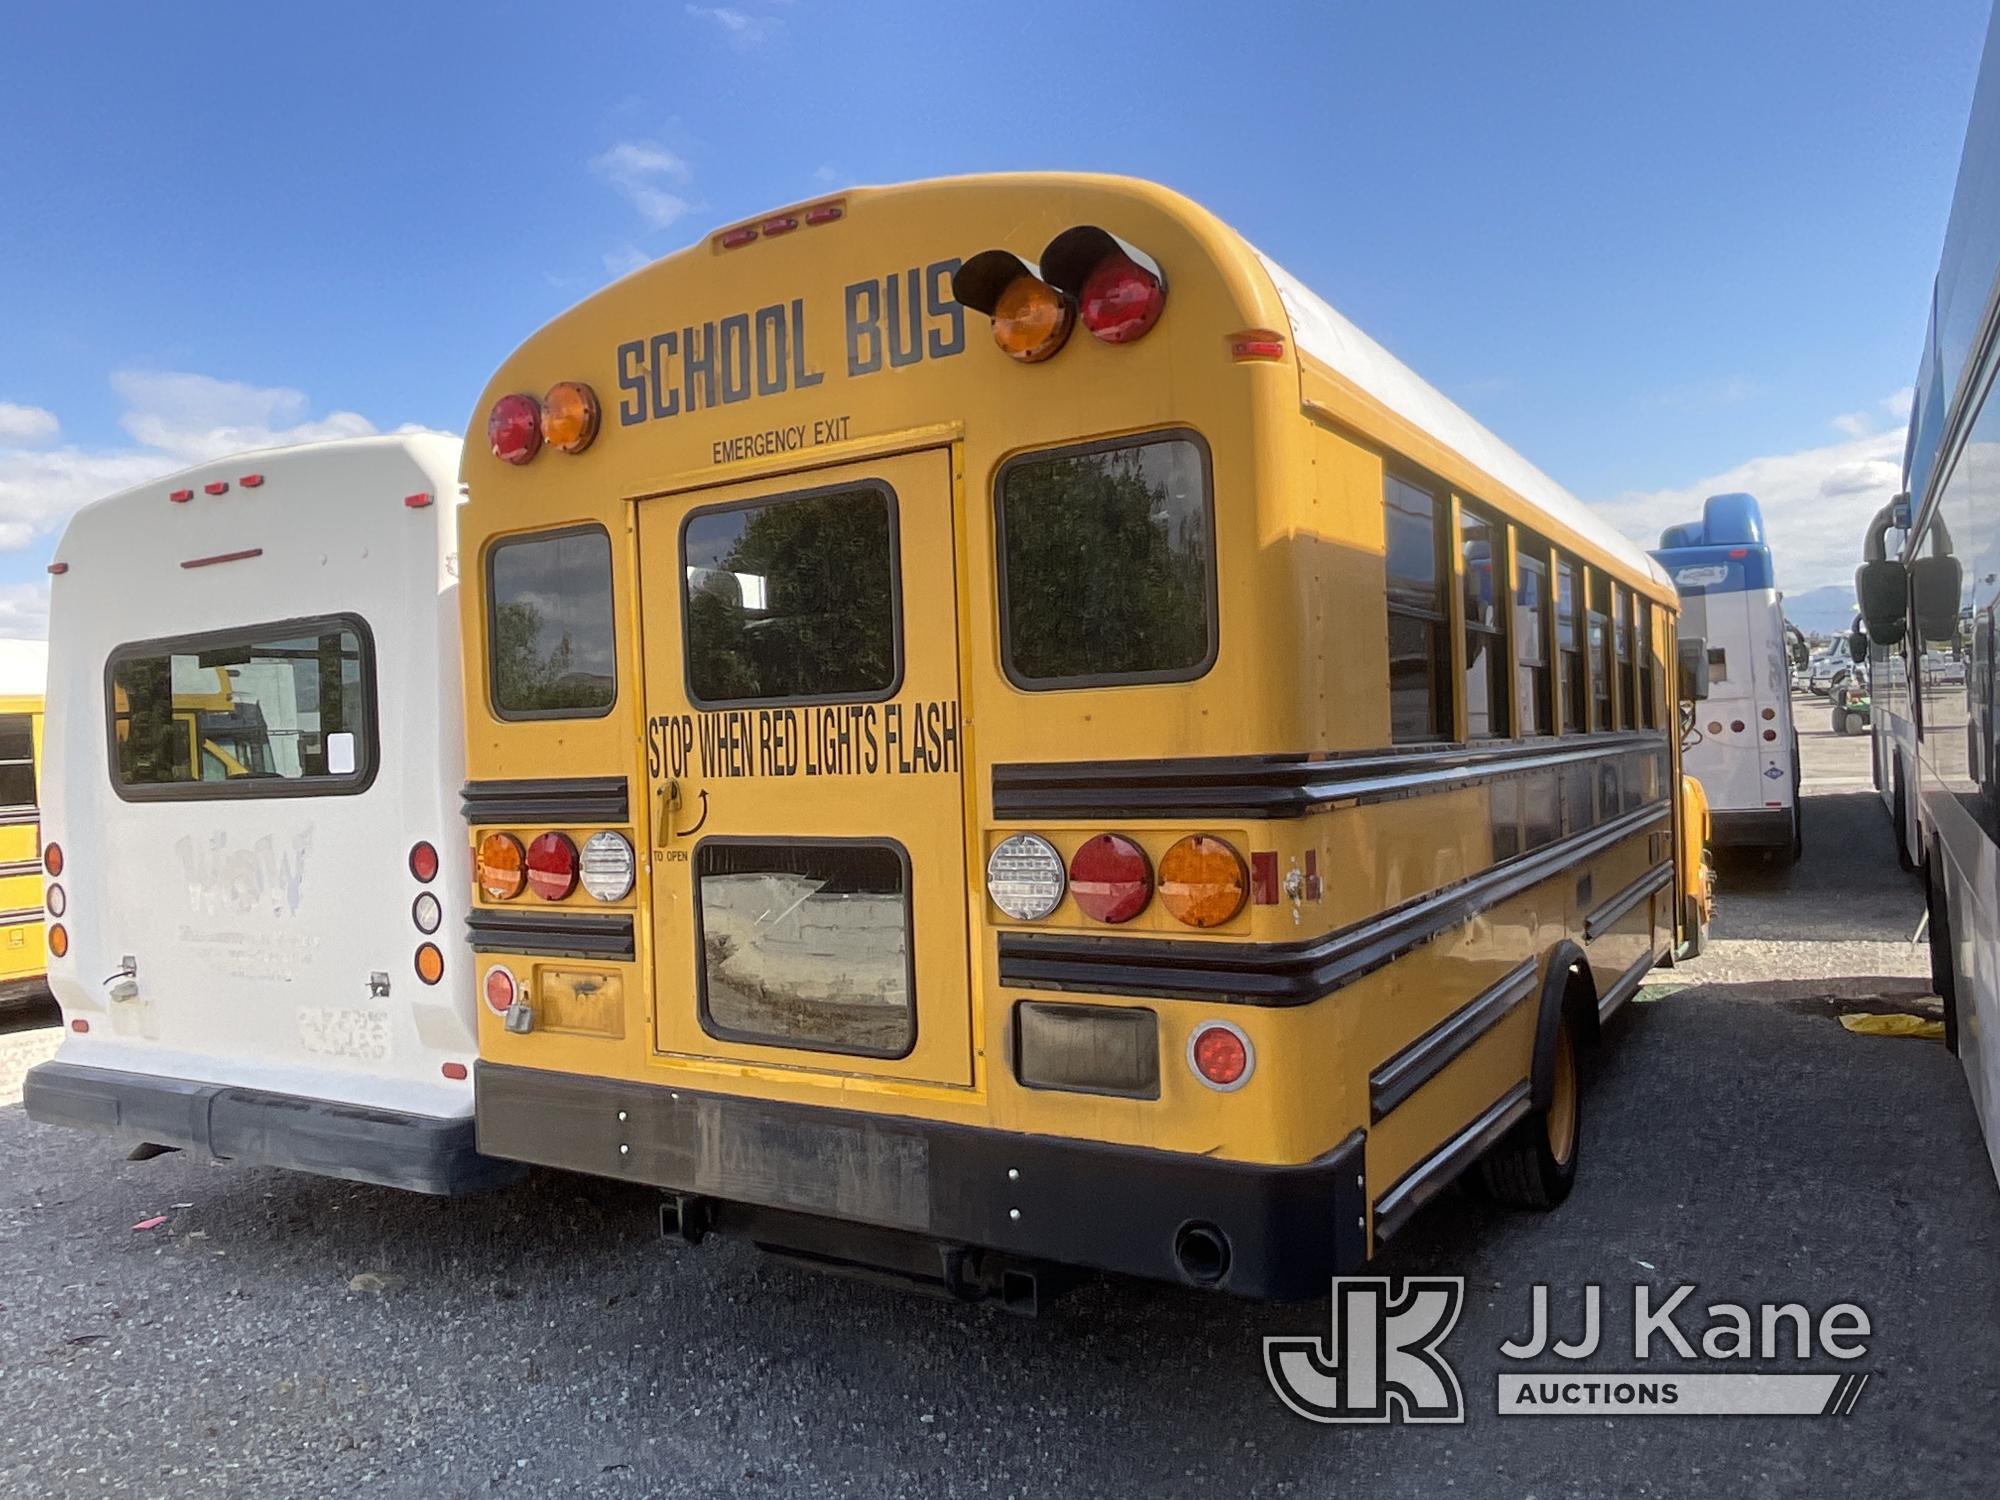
(549, 935)
(565, 799)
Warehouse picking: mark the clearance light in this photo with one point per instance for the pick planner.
(181, 497)
(1255, 344)
(552, 866)
(252, 481)
(216, 487)
(1202, 881)
(58, 567)
(1221, 1056)
(1024, 876)
(500, 989)
(734, 238)
(503, 866)
(514, 429)
(59, 940)
(455, 1071)
(608, 865)
(782, 224)
(1111, 878)
(824, 213)
(569, 416)
(430, 963)
(79, 1025)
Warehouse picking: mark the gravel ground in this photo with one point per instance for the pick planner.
(543, 1341)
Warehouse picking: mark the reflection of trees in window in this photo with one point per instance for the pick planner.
(800, 600)
(531, 676)
(1108, 562)
(549, 629)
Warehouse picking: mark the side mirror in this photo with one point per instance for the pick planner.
(1935, 583)
(1693, 669)
(1857, 645)
(1882, 589)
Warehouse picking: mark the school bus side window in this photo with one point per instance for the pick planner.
(1575, 695)
(1599, 620)
(1419, 628)
(1107, 566)
(1482, 566)
(793, 597)
(1531, 638)
(17, 760)
(549, 625)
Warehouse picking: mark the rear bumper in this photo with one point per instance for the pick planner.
(1753, 828)
(1117, 1208)
(34, 990)
(422, 1153)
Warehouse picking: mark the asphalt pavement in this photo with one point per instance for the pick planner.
(291, 1336)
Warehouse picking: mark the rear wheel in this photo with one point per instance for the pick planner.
(1899, 812)
(1944, 957)
(1534, 1164)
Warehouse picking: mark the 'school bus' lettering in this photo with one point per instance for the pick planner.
(890, 322)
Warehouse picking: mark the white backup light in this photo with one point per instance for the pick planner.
(607, 866)
(1025, 877)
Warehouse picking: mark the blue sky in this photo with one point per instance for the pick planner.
(1654, 248)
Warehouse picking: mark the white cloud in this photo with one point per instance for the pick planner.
(1897, 404)
(1816, 504)
(647, 174)
(176, 419)
(24, 611)
(623, 260)
(1854, 423)
(742, 28)
(26, 424)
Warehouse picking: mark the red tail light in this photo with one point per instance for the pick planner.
(52, 859)
(514, 428)
(1111, 878)
(552, 866)
(1121, 300)
(1221, 1056)
(423, 862)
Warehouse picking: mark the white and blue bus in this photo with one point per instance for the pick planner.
(1929, 598)
(1739, 743)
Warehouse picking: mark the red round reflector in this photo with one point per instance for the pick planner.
(552, 866)
(424, 862)
(454, 1071)
(1121, 300)
(514, 428)
(499, 988)
(1111, 878)
(1221, 1055)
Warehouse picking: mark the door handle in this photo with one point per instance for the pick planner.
(666, 802)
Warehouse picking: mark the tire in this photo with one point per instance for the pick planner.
(1839, 720)
(1857, 722)
(1534, 1164)
(1798, 850)
(1944, 958)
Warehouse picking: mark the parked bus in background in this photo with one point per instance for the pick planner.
(254, 739)
(1928, 596)
(1004, 730)
(24, 672)
(1741, 744)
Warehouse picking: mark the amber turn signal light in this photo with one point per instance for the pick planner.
(1202, 881)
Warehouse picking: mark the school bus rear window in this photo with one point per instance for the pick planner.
(17, 761)
(792, 598)
(550, 626)
(1108, 564)
(806, 945)
(275, 708)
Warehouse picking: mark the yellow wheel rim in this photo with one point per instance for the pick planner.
(1562, 1106)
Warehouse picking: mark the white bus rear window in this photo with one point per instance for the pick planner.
(284, 710)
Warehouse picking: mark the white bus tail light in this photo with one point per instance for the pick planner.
(1024, 877)
(57, 900)
(1031, 319)
(427, 913)
(1221, 1056)
(514, 428)
(608, 865)
(1119, 290)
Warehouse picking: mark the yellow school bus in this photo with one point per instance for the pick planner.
(23, 952)
(1003, 732)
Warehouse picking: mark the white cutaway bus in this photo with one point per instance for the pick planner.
(1740, 743)
(254, 743)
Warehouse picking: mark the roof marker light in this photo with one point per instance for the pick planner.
(216, 487)
(181, 497)
(782, 224)
(416, 502)
(223, 557)
(252, 481)
(825, 213)
(58, 567)
(738, 237)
